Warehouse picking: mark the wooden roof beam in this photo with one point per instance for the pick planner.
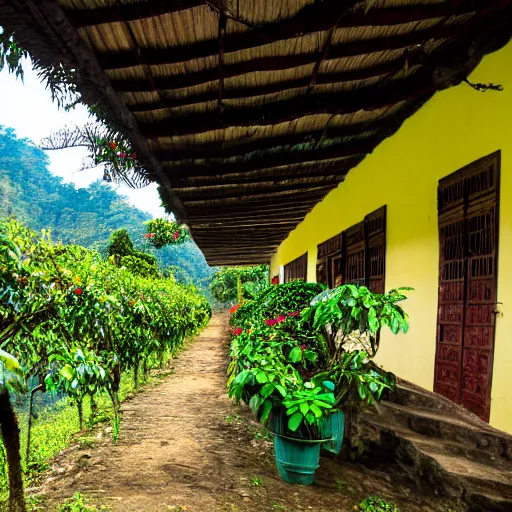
(316, 192)
(353, 151)
(243, 251)
(315, 17)
(128, 12)
(368, 98)
(268, 212)
(242, 147)
(386, 68)
(234, 192)
(313, 172)
(257, 218)
(250, 223)
(272, 202)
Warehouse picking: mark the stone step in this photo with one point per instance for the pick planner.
(454, 427)
(477, 479)
(408, 394)
(452, 448)
(482, 487)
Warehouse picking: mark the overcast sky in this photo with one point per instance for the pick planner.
(28, 108)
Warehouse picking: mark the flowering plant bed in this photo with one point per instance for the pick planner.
(162, 232)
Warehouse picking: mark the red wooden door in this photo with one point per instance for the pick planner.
(468, 238)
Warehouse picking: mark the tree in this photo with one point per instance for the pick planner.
(238, 283)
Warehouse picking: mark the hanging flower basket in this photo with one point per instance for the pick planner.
(162, 232)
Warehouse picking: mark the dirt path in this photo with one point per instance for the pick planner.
(184, 445)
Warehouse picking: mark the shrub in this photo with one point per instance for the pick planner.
(275, 300)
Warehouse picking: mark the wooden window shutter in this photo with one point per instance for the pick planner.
(355, 259)
(296, 269)
(365, 252)
(328, 260)
(375, 227)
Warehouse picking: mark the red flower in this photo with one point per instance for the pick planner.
(150, 235)
(275, 280)
(303, 347)
(232, 309)
(134, 156)
(280, 318)
(293, 313)
(238, 331)
(123, 155)
(113, 145)
(270, 322)
(176, 235)
(78, 291)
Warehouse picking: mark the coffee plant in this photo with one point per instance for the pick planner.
(74, 322)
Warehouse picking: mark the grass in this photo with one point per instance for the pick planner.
(376, 504)
(79, 503)
(256, 481)
(56, 428)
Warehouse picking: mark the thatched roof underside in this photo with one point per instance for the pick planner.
(248, 112)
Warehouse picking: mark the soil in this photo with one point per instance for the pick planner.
(185, 446)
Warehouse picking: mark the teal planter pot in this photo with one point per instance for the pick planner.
(297, 459)
(333, 428)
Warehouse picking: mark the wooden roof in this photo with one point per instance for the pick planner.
(248, 112)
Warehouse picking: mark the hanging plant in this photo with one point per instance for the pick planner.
(162, 232)
(118, 157)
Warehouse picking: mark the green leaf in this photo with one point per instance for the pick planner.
(67, 372)
(261, 377)
(291, 410)
(281, 390)
(310, 356)
(295, 355)
(10, 362)
(295, 421)
(267, 390)
(304, 408)
(310, 417)
(265, 411)
(316, 411)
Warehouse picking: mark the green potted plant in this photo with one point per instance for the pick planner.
(301, 371)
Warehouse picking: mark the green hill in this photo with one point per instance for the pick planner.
(85, 216)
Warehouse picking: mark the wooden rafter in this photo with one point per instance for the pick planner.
(315, 17)
(314, 191)
(312, 172)
(385, 68)
(240, 147)
(367, 98)
(269, 160)
(128, 12)
(221, 37)
(234, 192)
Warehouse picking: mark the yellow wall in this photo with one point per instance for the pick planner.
(455, 128)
